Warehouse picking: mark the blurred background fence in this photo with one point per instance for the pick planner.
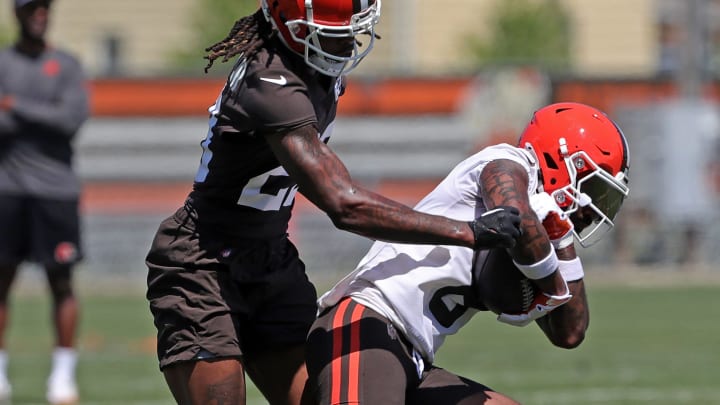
(433, 92)
(137, 169)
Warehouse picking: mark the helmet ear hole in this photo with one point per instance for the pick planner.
(549, 161)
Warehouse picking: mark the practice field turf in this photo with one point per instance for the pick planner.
(645, 346)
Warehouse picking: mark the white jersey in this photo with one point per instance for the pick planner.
(425, 290)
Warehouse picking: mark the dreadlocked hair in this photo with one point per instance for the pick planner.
(246, 37)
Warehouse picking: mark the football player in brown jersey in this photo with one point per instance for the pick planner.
(227, 289)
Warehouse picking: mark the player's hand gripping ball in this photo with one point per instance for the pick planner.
(498, 227)
(542, 305)
(500, 286)
(503, 289)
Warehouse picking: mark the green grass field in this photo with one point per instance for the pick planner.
(655, 345)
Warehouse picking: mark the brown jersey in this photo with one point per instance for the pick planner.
(240, 185)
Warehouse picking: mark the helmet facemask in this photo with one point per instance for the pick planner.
(596, 193)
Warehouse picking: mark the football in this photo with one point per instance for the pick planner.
(499, 285)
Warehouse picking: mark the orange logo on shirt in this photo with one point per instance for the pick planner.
(65, 252)
(51, 67)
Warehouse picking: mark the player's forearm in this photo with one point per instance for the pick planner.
(566, 325)
(505, 183)
(372, 215)
(325, 181)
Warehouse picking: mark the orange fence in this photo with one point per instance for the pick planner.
(192, 97)
(396, 96)
(607, 94)
(152, 97)
(133, 197)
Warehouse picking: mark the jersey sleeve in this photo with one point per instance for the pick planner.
(515, 154)
(271, 100)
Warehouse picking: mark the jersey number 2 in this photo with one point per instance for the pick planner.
(269, 191)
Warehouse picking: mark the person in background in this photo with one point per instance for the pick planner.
(378, 329)
(226, 286)
(43, 104)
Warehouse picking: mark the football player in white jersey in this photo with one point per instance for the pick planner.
(379, 328)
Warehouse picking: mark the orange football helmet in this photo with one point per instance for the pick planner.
(302, 25)
(584, 162)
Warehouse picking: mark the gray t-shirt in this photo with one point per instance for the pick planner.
(36, 135)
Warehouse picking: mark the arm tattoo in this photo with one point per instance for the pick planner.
(504, 182)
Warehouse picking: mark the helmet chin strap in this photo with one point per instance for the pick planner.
(328, 66)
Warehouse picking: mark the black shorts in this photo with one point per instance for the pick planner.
(39, 230)
(213, 297)
(355, 356)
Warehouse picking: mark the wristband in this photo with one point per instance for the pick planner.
(541, 269)
(571, 270)
(564, 241)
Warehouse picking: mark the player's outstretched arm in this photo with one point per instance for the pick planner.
(325, 181)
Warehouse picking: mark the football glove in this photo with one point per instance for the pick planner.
(542, 305)
(498, 227)
(556, 222)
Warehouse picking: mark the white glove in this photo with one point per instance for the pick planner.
(556, 222)
(541, 306)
